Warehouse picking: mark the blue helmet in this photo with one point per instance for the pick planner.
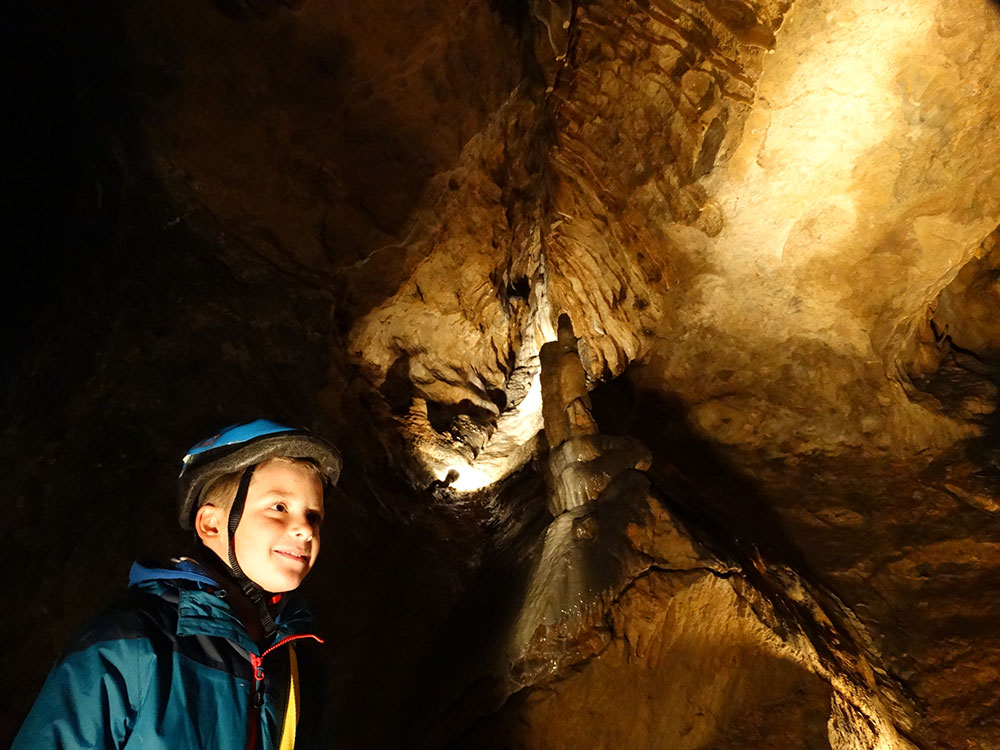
(239, 446)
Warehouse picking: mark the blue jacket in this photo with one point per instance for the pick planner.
(173, 667)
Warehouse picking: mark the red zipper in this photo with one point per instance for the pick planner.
(283, 641)
(257, 696)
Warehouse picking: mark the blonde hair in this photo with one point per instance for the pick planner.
(221, 491)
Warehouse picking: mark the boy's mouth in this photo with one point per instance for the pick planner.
(297, 556)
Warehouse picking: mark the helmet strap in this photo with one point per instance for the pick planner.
(257, 596)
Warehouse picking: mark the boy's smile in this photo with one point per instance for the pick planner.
(277, 540)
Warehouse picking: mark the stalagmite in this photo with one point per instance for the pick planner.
(586, 556)
(581, 460)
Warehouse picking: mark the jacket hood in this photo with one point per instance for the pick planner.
(183, 569)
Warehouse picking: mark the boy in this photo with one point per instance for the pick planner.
(202, 654)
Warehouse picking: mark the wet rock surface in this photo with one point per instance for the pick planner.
(772, 225)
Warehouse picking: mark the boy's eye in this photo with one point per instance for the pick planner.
(280, 507)
(315, 518)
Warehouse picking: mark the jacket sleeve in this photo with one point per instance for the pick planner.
(92, 695)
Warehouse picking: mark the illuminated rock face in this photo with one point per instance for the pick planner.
(757, 196)
(837, 234)
(773, 225)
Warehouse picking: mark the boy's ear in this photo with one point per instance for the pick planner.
(208, 522)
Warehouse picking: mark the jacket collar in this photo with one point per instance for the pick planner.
(202, 607)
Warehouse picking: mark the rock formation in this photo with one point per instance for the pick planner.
(774, 227)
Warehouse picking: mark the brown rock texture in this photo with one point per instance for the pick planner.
(773, 227)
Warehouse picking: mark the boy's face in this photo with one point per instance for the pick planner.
(277, 540)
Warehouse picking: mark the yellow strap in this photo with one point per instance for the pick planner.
(292, 707)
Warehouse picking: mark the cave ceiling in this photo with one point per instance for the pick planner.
(772, 224)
